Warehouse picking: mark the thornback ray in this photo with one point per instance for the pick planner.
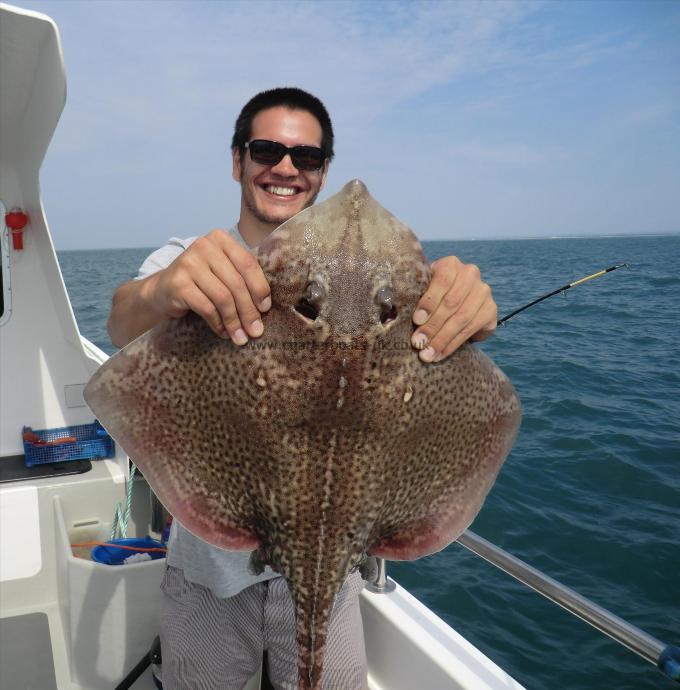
(327, 439)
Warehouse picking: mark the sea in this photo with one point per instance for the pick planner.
(590, 493)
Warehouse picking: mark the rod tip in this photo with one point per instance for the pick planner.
(669, 662)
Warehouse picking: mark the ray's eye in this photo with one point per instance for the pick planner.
(308, 305)
(384, 298)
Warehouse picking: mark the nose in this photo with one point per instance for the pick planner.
(285, 167)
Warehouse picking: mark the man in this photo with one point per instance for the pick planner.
(217, 617)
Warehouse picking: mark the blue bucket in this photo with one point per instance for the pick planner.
(112, 555)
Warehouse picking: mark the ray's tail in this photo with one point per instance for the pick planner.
(311, 648)
(314, 601)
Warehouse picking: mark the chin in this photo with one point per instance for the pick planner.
(279, 216)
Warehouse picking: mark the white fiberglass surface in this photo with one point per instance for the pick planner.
(19, 533)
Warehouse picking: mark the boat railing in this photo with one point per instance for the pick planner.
(665, 657)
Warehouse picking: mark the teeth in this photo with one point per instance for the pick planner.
(281, 191)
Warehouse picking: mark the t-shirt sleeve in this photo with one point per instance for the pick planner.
(163, 257)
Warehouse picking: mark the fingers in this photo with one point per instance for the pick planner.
(480, 327)
(456, 307)
(222, 282)
(221, 311)
(251, 272)
(196, 301)
(229, 292)
(235, 285)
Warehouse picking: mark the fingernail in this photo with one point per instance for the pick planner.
(266, 304)
(428, 354)
(240, 337)
(419, 341)
(256, 328)
(420, 316)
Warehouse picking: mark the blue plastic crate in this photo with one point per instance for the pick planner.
(92, 441)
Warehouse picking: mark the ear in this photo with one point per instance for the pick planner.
(324, 173)
(236, 164)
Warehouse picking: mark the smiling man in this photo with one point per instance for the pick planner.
(217, 618)
(274, 189)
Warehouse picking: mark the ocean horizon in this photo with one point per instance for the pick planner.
(492, 238)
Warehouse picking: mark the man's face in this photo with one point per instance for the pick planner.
(272, 194)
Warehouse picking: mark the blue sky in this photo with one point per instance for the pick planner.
(466, 120)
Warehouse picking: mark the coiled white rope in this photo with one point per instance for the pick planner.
(120, 518)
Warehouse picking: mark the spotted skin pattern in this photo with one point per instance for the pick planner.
(326, 439)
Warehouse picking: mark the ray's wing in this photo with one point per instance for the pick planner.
(462, 423)
(173, 400)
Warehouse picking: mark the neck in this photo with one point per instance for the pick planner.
(253, 231)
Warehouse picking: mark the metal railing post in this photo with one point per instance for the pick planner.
(377, 578)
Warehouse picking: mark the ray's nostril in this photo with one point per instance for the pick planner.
(385, 300)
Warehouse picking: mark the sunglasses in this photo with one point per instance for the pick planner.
(267, 152)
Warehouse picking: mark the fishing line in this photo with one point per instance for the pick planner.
(564, 288)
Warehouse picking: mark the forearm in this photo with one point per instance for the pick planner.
(132, 311)
(215, 277)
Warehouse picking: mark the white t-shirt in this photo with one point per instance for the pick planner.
(226, 573)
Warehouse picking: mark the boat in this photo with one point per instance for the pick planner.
(68, 621)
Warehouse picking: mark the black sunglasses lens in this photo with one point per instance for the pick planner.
(266, 152)
(307, 157)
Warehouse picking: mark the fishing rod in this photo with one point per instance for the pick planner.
(564, 288)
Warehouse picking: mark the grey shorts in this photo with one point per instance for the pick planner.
(210, 643)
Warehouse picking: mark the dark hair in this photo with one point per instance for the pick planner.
(288, 97)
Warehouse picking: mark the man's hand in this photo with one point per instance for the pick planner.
(456, 307)
(221, 281)
(216, 277)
